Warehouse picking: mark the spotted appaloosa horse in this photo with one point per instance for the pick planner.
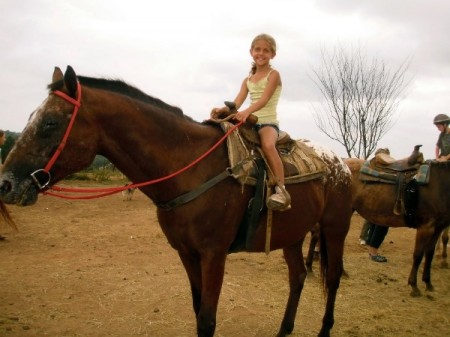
(375, 202)
(146, 139)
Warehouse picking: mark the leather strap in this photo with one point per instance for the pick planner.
(191, 195)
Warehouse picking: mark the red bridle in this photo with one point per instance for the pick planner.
(62, 144)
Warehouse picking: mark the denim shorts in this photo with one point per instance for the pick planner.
(258, 127)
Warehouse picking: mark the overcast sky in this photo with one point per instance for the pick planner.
(194, 54)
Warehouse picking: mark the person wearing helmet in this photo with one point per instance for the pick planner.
(442, 151)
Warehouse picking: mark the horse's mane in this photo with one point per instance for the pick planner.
(120, 87)
(443, 164)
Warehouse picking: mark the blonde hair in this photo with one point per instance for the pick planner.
(270, 40)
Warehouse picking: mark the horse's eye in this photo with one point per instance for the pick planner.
(48, 126)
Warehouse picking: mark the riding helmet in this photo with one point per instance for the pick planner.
(441, 119)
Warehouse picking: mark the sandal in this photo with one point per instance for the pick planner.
(378, 258)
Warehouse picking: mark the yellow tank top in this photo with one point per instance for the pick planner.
(267, 114)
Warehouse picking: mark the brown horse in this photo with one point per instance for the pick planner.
(375, 202)
(146, 139)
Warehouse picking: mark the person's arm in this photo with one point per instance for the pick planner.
(273, 82)
(437, 152)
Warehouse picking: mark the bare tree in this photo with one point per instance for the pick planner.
(360, 98)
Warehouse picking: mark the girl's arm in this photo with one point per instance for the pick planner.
(437, 151)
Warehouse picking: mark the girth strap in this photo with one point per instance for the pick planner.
(191, 195)
(256, 204)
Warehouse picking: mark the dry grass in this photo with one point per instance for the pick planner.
(103, 268)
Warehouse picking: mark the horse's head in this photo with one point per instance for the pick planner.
(40, 140)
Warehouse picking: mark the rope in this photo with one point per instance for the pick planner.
(102, 192)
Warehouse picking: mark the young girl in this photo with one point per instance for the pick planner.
(264, 86)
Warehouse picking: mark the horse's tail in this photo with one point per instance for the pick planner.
(323, 263)
(4, 213)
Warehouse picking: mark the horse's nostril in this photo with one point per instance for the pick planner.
(5, 186)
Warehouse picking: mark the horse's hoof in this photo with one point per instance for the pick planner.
(310, 274)
(285, 331)
(430, 287)
(324, 334)
(415, 292)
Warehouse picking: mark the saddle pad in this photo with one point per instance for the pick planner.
(367, 173)
(301, 163)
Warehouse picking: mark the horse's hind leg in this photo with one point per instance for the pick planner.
(332, 240)
(297, 274)
(312, 245)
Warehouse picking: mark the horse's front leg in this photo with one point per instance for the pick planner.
(412, 279)
(297, 274)
(191, 263)
(429, 254)
(426, 276)
(423, 234)
(205, 275)
(212, 271)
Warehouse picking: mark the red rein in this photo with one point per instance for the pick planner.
(102, 192)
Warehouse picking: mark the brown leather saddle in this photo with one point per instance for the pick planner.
(384, 168)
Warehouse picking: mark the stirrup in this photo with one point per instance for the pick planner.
(280, 201)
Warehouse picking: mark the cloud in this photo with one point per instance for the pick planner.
(194, 54)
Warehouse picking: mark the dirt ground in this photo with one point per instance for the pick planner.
(103, 267)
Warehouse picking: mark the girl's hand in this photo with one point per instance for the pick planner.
(246, 117)
(241, 116)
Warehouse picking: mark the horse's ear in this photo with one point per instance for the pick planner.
(57, 75)
(70, 81)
